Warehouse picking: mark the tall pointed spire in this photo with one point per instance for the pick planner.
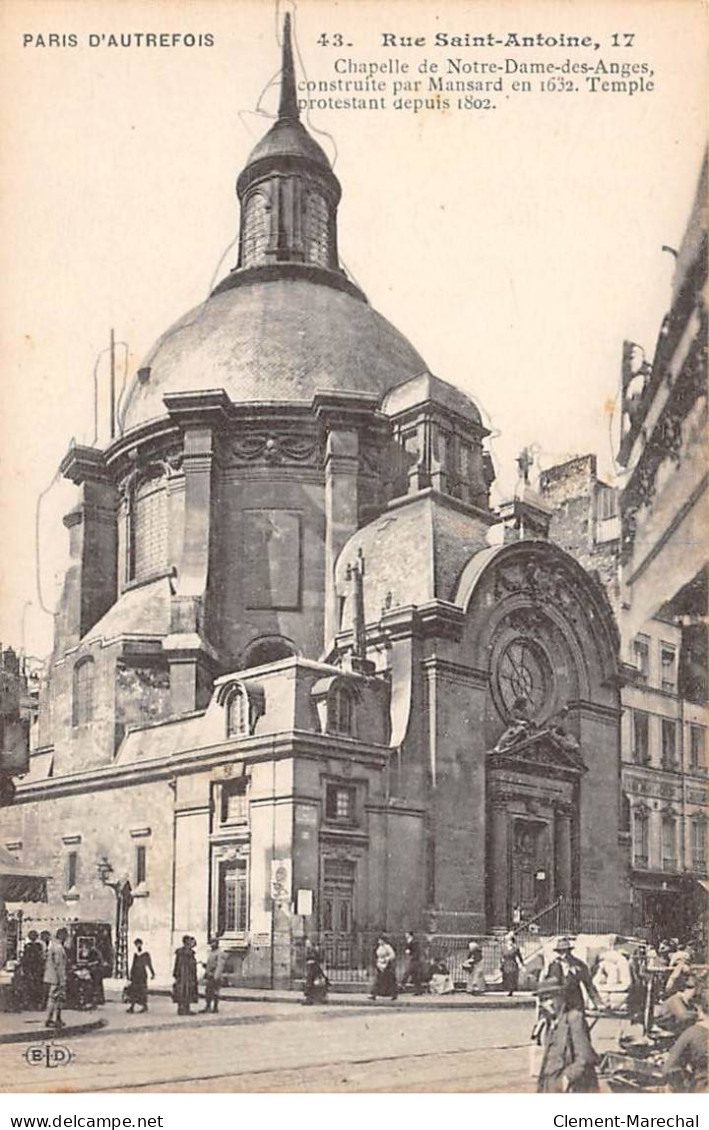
(288, 105)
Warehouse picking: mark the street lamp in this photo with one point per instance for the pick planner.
(104, 869)
(124, 900)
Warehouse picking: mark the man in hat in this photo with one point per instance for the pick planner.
(569, 1061)
(573, 973)
(55, 978)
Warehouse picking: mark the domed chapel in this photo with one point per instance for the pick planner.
(293, 688)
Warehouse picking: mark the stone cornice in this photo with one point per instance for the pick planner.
(455, 672)
(595, 709)
(208, 408)
(84, 464)
(267, 747)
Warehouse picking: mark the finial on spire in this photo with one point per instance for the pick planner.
(288, 105)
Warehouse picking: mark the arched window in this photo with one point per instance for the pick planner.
(83, 692)
(256, 230)
(317, 225)
(237, 713)
(267, 650)
(340, 710)
(148, 529)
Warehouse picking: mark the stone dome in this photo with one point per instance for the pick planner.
(278, 340)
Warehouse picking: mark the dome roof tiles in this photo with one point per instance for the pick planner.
(280, 340)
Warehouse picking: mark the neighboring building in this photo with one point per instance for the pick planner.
(665, 717)
(292, 685)
(663, 447)
(18, 712)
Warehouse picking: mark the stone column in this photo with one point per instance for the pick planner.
(189, 653)
(562, 851)
(341, 507)
(497, 863)
(90, 586)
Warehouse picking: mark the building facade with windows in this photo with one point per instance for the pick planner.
(293, 687)
(664, 719)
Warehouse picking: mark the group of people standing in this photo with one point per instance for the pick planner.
(185, 990)
(45, 974)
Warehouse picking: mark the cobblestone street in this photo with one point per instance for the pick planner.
(284, 1047)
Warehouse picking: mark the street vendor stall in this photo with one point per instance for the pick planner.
(18, 883)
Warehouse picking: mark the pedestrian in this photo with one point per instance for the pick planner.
(510, 962)
(686, 1065)
(473, 966)
(184, 989)
(33, 958)
(413, 971)
(94, 964)
(55, 978)
(678, 1011)
(213, 975)
(568, 1060)
(46, 939)
(138, 988)
(574, 976)
(440, 980)
(680, 970)
(384, 970)
(316, 982)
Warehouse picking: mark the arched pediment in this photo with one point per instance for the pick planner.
(533, 614)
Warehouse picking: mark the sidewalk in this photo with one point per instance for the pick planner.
(349, 998)
(237, 1007)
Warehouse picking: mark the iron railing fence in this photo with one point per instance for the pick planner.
(349, 958)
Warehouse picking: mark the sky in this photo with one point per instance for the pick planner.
(516, 248)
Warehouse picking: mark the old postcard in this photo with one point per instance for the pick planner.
(354, 635)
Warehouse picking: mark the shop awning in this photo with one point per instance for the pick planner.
(19, 883)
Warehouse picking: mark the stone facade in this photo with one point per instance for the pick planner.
(293, 688)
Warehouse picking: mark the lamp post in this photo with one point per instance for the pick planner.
(124, 900)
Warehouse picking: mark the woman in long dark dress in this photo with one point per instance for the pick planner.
(139, 977)
(184, 990)
(33, 970)
(94, 964)
(510, 963)
(316, 982)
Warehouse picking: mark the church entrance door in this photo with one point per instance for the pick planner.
(529, 877)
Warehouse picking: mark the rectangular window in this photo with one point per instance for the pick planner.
(669, 743)
(72, 870)
(607, 502)
(669, 843)
(668, 667)
(235, 807)
(641, 657)
(697, 742)
(340, 803)
(640, 839)
(233, 897)
(141, 861)
(641, 737)
(697, 842)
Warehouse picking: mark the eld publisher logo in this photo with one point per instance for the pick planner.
(48, 1055)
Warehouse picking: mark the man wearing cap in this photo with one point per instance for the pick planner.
(573, 973)
(569, 1061)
